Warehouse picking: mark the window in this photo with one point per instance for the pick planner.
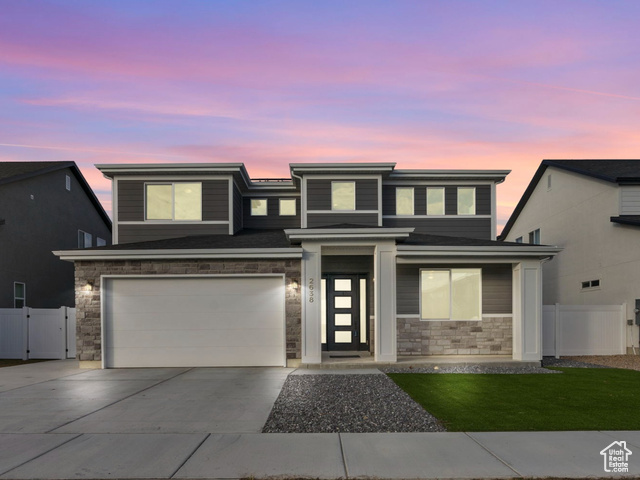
(591, 284)
(549, 182)
(174, 201)
(404, 201)
(343, 195)
(435, 201)
(453, 294)
(519, 240)
(68, 183)
(287, 207)
(466, 201)
(534, 237)
(258, 207)
(100, 242)
(84, 239)
(19, 295)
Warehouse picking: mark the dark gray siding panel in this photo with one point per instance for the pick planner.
(215, 200)
(143, 233)
(367, 194)
(326, 219)
(130, 200)
(483, 200)
(273, 219)
(451, 200)
(319, 194)
(237, 209)
(452, 227)
(388, 200)
(496, 288)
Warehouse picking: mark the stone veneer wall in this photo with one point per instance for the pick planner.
(88, 329)
(490, 336)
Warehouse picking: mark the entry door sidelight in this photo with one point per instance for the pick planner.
(343, 312)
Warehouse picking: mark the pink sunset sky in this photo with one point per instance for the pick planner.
(426, 84)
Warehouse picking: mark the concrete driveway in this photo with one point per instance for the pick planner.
(168, 400)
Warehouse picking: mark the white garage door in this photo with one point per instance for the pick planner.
(193, 322)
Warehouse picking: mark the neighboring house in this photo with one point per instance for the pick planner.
(211, 268)
(591, 208)
(44, 206)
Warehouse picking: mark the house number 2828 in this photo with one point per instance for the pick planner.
(311, 290)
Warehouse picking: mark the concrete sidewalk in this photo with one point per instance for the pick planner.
(62, 422)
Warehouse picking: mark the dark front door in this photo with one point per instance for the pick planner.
(343, 312)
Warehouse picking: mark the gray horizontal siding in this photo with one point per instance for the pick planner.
(483, 199)
(319, 194)
(496, 288)
(273, 219)
(326, 219)
(143, 233)
(215, 200)
(468, 227)
(237, 209)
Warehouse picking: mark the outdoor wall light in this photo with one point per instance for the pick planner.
(294, 285)
(88, 287)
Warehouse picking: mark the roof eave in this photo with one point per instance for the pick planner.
(169, 254)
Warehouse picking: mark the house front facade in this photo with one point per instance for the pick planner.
(209, 267)
(590, 208)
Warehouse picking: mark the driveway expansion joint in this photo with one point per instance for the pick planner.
(504, 462)
(41, 454)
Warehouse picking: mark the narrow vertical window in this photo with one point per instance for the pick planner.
(404, 201)
(258, 207)
(435, 201)
(466, 201)
(84, 239)
(67, 182)
(534, 237)
(19, 295)
(343, 196)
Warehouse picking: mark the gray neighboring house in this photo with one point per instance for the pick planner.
(212, 268)
(44, 206)
(590, 208)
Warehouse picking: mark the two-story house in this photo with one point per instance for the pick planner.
(209, 267)
(591, 208)
(44, 206)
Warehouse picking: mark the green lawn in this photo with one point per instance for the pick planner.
(577, 399)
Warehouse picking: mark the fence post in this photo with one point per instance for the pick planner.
(557, 326)
(623, 329)
(25, 333)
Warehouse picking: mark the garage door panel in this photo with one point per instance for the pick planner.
(194, 321)
(191, 357)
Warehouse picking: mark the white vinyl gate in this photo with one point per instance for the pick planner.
(583, 330)
(37, 333)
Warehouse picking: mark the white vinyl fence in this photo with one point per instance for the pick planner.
(583, 330)
(37, 333)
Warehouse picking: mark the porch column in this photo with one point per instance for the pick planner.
(311, 321)
(385, 300)
(527, 311)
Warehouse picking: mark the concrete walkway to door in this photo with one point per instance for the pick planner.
(57, 421)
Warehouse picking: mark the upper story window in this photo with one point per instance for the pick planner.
(288, 207)
(435, 201)
(100, 242)
(67, 183)
(466, 201)
(404, 201)
(343, 195)
(519, 240)
(534, 237)
(19, 295)
(173, 201)
(84, 239)
(258, 207)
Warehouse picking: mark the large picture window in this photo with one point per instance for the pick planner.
(404, 201)
(451, 294)
(343, 195)
(173, 201)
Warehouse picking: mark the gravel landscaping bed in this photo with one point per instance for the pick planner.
(471, 368)
(630, 362)
(571, 362)
(346, 403)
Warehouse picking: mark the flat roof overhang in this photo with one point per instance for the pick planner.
(300, 234)
(413, 252)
